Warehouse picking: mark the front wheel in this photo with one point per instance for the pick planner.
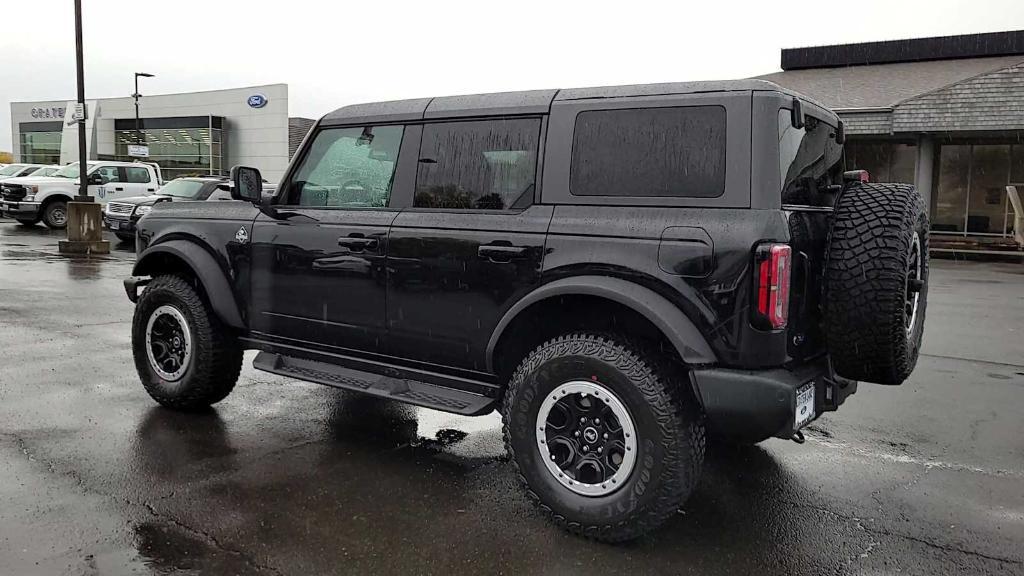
(55, 215)
(186, 358)
(607, 440)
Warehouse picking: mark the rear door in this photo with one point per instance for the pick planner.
(471, 242)
(318, 275)
(138, 181)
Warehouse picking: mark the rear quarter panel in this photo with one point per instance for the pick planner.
(624, 242)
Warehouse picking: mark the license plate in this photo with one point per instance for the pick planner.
(804, 406)
(115, 225)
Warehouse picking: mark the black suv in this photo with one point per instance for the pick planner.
(619, 271)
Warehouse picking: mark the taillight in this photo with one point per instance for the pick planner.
(773, 264)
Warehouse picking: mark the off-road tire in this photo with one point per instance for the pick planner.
(866, 282)
(216, 358)
(27, 221)
(669, 429)
(51, 212)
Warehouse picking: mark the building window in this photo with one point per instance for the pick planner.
(40, 142)
(185, 146)
(884, 161)
(971, 193)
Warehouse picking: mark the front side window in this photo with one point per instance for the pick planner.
(482, 165)
(660, 152)
(109, 173)
(348, 167)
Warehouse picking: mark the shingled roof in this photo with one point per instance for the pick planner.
(884, 85)
(298, 127)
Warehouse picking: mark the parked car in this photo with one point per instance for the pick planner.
(46, 171)
(620, 271)
(16, 170)
(31, 200)
(122, 215)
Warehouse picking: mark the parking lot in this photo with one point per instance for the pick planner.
(292, 478)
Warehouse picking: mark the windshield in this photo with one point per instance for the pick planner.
(182, 188)
(810, 159)
(70, 171)
(12, 169)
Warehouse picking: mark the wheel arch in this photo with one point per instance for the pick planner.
(61, 196)
(184, 256)
(640, 305)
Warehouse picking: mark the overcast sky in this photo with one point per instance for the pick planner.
(333, 53)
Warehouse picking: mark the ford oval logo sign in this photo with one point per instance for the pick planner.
(257, 101)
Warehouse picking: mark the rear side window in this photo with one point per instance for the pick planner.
(137, 175)
(483, 165)
(675, 152)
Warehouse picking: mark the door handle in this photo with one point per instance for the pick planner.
(358, 243)
(118, 189)
(502, 252)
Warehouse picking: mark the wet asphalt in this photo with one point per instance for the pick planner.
(285, 477)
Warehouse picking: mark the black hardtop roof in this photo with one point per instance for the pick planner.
(527, 102)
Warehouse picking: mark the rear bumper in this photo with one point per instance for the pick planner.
(21, 210)
(752, 405)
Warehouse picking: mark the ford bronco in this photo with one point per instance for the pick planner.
(619, 271)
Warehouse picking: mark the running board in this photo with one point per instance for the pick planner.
(402, 390)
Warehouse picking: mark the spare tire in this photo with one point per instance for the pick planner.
(876, 282)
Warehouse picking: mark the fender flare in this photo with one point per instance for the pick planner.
(207, 270)
(693, 348)
(57, 195)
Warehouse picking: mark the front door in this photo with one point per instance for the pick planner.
(318, 274)
(470, 245)
(112, 185)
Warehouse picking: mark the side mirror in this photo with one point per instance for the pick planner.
(96, 178)
(247, 184)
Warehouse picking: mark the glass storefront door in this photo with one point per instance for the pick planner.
(971, 195)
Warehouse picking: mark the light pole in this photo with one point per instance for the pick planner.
(83, 178)
(85, 226)
(138, 129)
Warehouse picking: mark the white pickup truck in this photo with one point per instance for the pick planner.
(30, 200)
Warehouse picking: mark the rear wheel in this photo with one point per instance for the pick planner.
(55, 215)
(876, 282)
(603, 435)
(185, 357)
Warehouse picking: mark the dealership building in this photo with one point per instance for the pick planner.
(192, 133)
(944, 113)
